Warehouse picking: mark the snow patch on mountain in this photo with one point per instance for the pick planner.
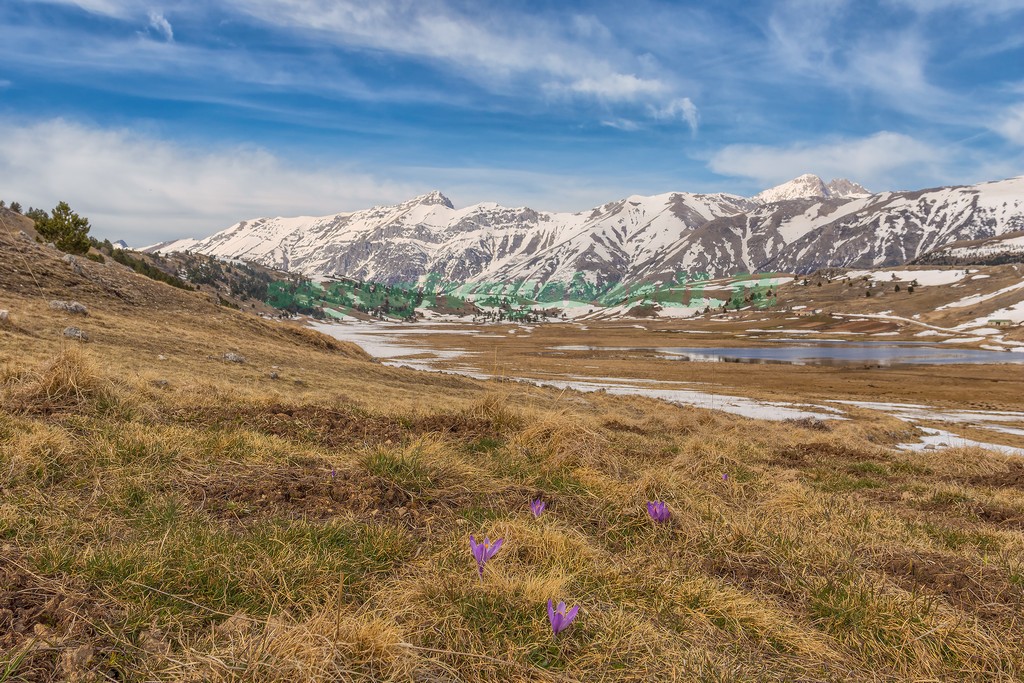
(810, 186)
(635, 240)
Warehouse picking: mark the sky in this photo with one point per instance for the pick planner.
(161, 119)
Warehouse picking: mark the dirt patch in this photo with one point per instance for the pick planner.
(48, 629)
(313, 490)
(986, 589)
(316, 491)
(811, 423)
(463, 425)
(820, 451)
(328, 427)
(336, 427)
(620, 426)
(1013, 479)
(1002, 516)
(752, 572)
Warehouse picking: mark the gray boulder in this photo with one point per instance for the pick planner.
(76, 333)
(72, 307)
(73, 262)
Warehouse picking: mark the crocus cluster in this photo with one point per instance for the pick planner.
(484, 551)
(658, 511)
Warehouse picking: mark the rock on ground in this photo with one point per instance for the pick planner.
(72, 307)
(76, 333)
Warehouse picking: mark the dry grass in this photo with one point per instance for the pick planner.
(148, 544)
(189, 519)
(70, 380)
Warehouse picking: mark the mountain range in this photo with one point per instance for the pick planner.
(799, 226)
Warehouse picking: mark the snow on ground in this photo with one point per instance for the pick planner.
(1014, 313)
(925, 278)
(980, 298)
(384, 340)
(736, 405)
(937, 438)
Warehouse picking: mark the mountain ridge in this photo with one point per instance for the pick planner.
(634, 239)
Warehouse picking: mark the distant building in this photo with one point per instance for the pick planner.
(1001, 322)
(807, 312)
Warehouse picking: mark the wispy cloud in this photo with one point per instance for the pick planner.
(680, 108)
(493, 49)
(1010, 124)
(879, 160)
(159, 24)
(976, 9)
(500, 50)
(816, 40)
(621, 124)
(143, 188)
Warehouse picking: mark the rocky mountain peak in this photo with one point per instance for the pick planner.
(432, 199)
(810, 186)
(807, 186)
(841, 187)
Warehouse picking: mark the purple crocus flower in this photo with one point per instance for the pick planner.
(725, 476)
(559, 618)
(484, 551)
(658, 511)
(537, 507)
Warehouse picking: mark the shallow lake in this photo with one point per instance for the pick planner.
(826, 353)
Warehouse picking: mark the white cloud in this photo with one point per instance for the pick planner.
(621, 124)
(159, 23)
(615, 87)
(879, 161)
(680, 108)
(110, 8)
(814, 39)
(500, 49)
(145, 189)
(973, 8)
(493, 50)
(1011, 124)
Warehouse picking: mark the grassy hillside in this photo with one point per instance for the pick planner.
(168, 514)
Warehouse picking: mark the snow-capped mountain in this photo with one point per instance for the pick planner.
(797, 227)
(810, 186)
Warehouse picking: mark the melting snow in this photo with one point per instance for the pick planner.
(925, 278)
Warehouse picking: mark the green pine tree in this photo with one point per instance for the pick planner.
(66, 229)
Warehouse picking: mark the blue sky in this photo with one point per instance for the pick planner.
(169, 118)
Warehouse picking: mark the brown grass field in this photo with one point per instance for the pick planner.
(168, 515)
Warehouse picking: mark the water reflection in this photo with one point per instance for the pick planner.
(824, 353)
